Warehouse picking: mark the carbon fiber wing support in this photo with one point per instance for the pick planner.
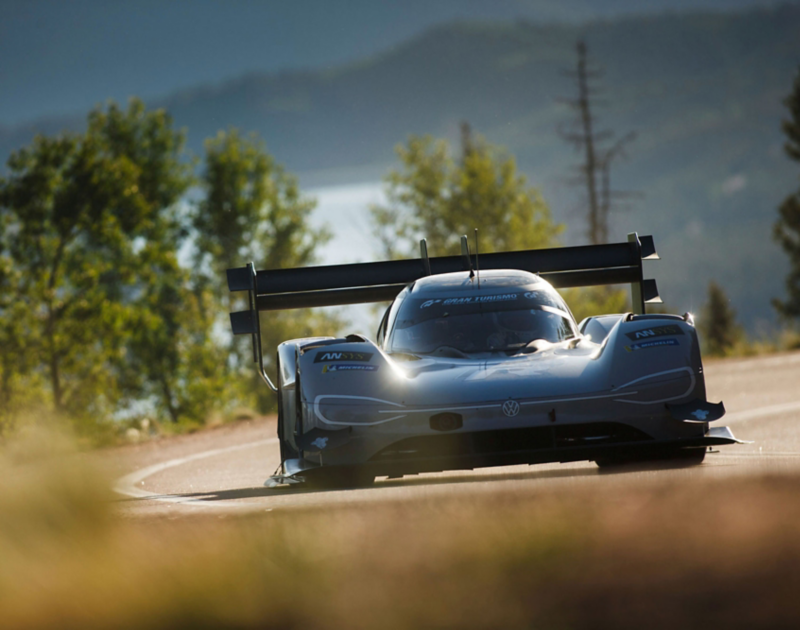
(248, 322)
(331, 285)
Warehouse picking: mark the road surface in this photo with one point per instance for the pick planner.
(223, 470)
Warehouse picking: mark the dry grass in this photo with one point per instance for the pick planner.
(716, 554)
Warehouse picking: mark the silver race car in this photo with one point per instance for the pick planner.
(479, 362)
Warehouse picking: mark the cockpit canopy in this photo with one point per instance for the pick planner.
(504, 315)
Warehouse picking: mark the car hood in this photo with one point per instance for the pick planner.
(552, 372)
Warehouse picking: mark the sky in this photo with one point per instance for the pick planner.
(59, 57)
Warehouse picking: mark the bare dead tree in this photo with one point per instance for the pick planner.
(607, 195)
(582, 133)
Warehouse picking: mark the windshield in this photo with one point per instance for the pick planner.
(490, 323)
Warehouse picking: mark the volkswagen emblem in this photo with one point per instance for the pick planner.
(511, 408)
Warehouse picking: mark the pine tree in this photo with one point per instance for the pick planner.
(718, 328)
(786, 230)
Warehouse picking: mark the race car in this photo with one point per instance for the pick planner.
(479, 362)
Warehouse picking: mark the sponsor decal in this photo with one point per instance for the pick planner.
(532, 295)
(473, 299)
(700, 414)
(511, 408)
(320, 443)
(652, 344)
(655, 331)
(348, 367)
(329, 356)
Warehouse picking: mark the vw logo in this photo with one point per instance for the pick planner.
(511, 408)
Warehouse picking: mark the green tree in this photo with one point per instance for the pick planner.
(66, 204)
(173, 357)
(718, 328)
(92, 226)
(439, 197)
(587, 301)
(253, 210)
(787, 228)
(436, 196)
(166, 334)
(19, 385)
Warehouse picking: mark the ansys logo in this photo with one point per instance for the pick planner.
(329, 357)
(655, 331)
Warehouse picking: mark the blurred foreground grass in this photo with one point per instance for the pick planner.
(711, 554)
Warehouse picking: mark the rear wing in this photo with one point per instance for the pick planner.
(331, 285)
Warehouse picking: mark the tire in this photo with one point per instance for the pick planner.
(339, 479)
(671, 458)
(286, 450)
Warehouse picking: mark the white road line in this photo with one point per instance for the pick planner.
(755, 363)
(760, 412)
(127, 485)
(760, 454)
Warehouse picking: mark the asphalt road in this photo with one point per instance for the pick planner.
(223, 470)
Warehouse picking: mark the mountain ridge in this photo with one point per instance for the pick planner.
(62, 57)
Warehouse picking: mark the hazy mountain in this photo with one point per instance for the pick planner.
(703, 91)
(60, 57)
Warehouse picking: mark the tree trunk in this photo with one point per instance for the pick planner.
(55, 372)
(590, 169)
(167, 391)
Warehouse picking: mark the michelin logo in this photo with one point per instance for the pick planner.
(652, 344)
(346, 367)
